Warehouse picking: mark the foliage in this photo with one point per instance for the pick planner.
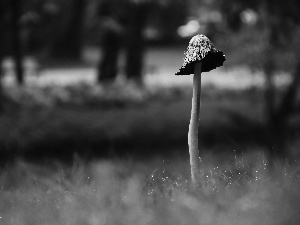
(275, 38)
(254, 40)
(246, 47)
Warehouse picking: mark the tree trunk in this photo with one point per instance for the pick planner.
(16, 40)
(5, 23)
(112, 29)
(135, 41)
(69, 42)
(287, 105)
(1, 58)
(108, 65)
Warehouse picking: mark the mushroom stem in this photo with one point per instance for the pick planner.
(193, 127)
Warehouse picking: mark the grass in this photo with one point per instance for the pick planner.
(240, 189)
(152, 189)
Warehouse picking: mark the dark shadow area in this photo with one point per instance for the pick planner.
(131, 128)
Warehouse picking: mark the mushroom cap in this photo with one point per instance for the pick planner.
(201, 49)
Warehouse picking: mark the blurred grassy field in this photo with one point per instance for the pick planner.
(240, 190)
(88, 154)
(127, 121)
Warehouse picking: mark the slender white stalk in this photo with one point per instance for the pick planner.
(193, 128)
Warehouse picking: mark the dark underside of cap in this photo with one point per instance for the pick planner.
(211, 61)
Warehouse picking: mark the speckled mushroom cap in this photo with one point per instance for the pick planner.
(201, 49)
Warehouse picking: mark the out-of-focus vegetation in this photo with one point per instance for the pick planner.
(54, 122)
(239, 190)
(275, 49)
(262, 35)
(249, 136)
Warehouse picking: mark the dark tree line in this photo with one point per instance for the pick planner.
(54, 29)
(123, 23)
(128, 20)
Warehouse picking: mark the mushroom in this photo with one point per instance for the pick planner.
(201, 56)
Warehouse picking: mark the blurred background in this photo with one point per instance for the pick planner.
(95, 78)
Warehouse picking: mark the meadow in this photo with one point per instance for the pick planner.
(238, 190)
(88, 156)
